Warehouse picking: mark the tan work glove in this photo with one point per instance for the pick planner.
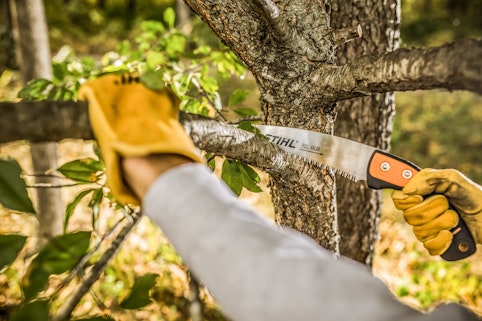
(431, 218)
(129, 119)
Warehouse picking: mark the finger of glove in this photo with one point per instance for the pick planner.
(403, 201)
(446, 221)
(105, 90)
(426, 211)
(440, 243)
(433, 181)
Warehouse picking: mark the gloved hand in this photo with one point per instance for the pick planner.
(431, 217)
(129, 119)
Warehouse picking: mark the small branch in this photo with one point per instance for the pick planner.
(270, 7)
(48, 185)
(342, 36)
(196, 304)
(78, 269)
(204, 94)
(66, 311)
(223, 139)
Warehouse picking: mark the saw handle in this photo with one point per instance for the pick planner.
(390, 171)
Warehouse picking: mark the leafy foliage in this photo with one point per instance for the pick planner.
(162, 56)
(10, 246)
(433, 22)
(238, 175)
(431, 281)
(139, 296)
(440, 130)
(32, 311)
(60, 255)
(13, 191)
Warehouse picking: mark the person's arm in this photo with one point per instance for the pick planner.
(141, 171)
(255, 270)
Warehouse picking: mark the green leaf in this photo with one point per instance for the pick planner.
(169, 17)
(238, 176)
(182, 82)
(61, 254)
(152, 26)
(237, 97)
(10, 246)
(98, 153)
(253, 175)
(139, 296)
(154, 59)
(35, 89)
(84, 170)
(69, 211)
(59, 70)
(13, 190)
(246, 112)
(32, 311)
(175, 46)
(211, 160)
(202, 50)
(94, 203)
(246, 125)
(209, 84)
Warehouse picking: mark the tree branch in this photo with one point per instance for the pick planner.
(300, 26)
(44, 121)
(455, 66)
(246, 37)
(54, 121)
(97, 269)
(222, 139)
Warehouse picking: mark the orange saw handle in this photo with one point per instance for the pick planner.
(389, 171)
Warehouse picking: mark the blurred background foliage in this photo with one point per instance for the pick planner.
(435, 22)
(431, 128)
(437, 128)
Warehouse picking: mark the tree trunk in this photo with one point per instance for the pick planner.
(283, 44)
(367, 120)
(183, 17)
(33, 56)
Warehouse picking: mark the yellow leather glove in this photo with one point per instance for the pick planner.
(431, 218)
(129, 119)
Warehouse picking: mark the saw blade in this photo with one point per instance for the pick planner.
(347, 157)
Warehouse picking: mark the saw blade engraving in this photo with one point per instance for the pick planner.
(347, 157)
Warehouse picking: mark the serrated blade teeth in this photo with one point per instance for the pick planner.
(346, 157)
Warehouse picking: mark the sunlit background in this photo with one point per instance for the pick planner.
(432, 128)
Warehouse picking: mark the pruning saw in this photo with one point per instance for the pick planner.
(358, 161)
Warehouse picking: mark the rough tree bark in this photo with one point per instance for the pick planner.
(366, 119)
(33, 56)
(283, 44)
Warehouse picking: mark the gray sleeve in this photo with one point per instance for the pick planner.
(259, 272)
